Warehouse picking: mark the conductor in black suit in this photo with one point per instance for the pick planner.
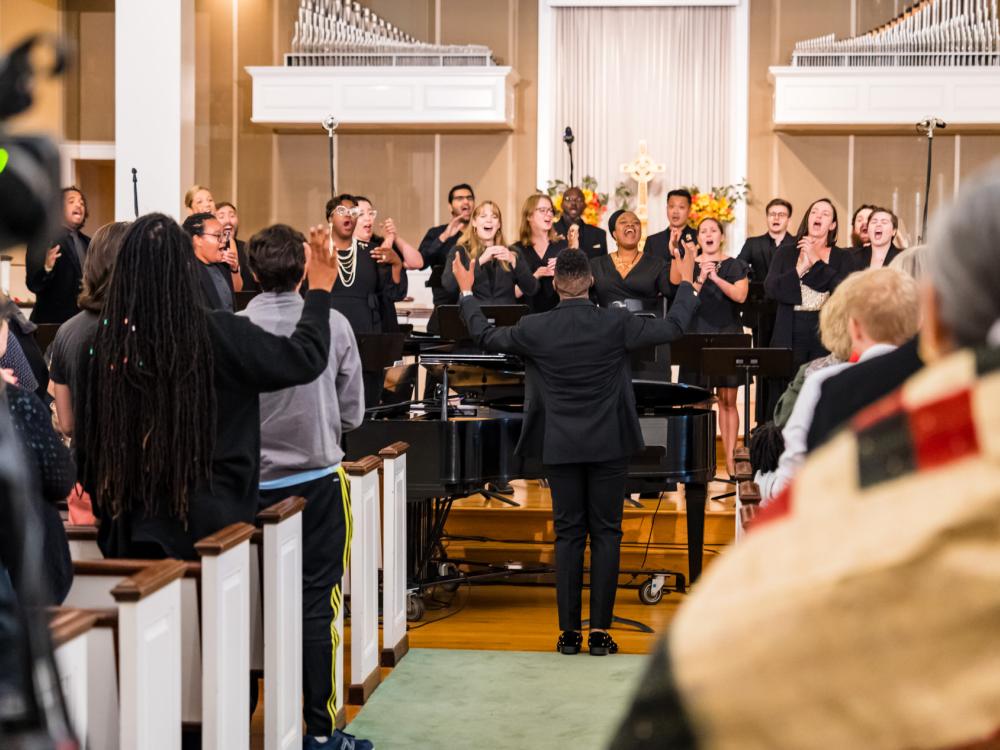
(592, 240)
(54, 271)
(580, 420)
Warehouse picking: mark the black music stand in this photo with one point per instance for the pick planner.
(377, 351)
(757, 309)
(748, 362)
(687, 350)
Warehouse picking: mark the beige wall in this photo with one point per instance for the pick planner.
(851, 169)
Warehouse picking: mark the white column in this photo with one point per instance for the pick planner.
(154, 104)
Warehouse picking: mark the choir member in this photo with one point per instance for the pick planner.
(370, 279)
(859, 226)
(758, 252)
(199, 200)
(53, 270)
(500, 271)
(662, 244)
(226, 213)
(364, 230)
(218, 269)
(801, 279)
(539, 245)
(722, 285)
(592, 240)
(439, 241)
(881, 248)
(580, 421)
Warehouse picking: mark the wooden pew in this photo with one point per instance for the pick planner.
(365, 674)
(83, 542)
(135, 645)
(747, 505)
(215, 604)
(395, 641)
(277, 631)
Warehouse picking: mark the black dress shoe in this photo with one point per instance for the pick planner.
(601, 644)
(569, 642)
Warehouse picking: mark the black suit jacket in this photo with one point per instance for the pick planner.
(493, 285)
(862, 256)
(435, 254)
(55, 292)
(579, 404)
(658, 244)
(209, 294)
(848, 392)
(593, 240)
(758, 252)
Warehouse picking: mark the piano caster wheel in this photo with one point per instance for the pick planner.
(651, 591)
(414, 607)
(449, 570)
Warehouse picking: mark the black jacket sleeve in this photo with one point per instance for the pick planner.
(782, 282)
(509, 339)
(825, 277)
(430, 247)
(642, 332)
(523, 276)
(268, 362)
(448, 276)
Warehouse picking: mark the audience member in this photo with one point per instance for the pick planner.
(502, 275)
(218, 268)
(168, 418)
(438, 242)
(371, 279)
(539, 245)
(662, 244)
(592, 240)
(226, 213)
(21, 330)
(53, 270)
(199, 200)
(300, 437)
(364, 230)
(882, 308)
(722, 286)
(74, 337)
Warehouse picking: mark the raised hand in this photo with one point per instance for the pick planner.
(684, 263)
(573, 236)
(321, 266)
(51, 256)
(465, 277)
(389, 230)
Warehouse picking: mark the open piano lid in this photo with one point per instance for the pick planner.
(651, 394)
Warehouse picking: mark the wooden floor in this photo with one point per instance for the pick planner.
(521, 616)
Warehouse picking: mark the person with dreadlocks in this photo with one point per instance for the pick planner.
(168, 438)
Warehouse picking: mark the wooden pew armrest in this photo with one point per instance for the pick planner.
(744, 471)
(281, 510)
(68, 623)
(149, 580)
(749, 493)
(224, 540)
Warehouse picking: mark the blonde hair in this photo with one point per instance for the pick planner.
(192, 192)
(833, 316)
(886, 304)
(530, 204)
(470, 241)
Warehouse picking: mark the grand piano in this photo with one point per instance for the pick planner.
(467, 446)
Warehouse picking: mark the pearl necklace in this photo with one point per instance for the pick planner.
(347, 264)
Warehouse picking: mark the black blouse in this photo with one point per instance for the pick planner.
(717, 313)
(545, 298)
(368, 304)
(493, 285)
(647, 281)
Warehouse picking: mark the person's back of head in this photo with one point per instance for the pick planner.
(194, 225)
(885, 303)
(833, 317)
(101, 256)
(912, 261)
(277, 258)
(572, 276)
(149, 405)
(963, 267)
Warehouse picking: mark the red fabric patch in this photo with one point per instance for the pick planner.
(944, 431)
(886, 407)
(775, 510)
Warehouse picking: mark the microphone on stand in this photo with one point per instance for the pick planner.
(568, 139)
(330, 125)
(927, 127)
(135, 191)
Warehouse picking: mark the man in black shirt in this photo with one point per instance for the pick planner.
(661, 244)
(54, 272)
(218, 269)
(593, 240)
(439, 241)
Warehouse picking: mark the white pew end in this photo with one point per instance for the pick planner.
(395, 641)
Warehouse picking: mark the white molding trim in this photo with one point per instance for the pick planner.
(72, 151)
(739, 133)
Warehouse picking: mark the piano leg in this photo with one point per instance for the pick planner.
(694, 498)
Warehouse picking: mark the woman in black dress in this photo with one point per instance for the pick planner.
(370, 279)
(636, 280)
(500, 271)
(881, 248)
(801, 279)
(539, 245)
(722, 285)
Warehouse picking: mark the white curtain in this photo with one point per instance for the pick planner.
(662, 75)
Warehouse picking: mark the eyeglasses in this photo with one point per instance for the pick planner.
(777, 215)
(545, 211)
(345, 211)
(219, 237)
(371, 213)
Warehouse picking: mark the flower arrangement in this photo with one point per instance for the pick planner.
(596, 204)
(717, 203)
